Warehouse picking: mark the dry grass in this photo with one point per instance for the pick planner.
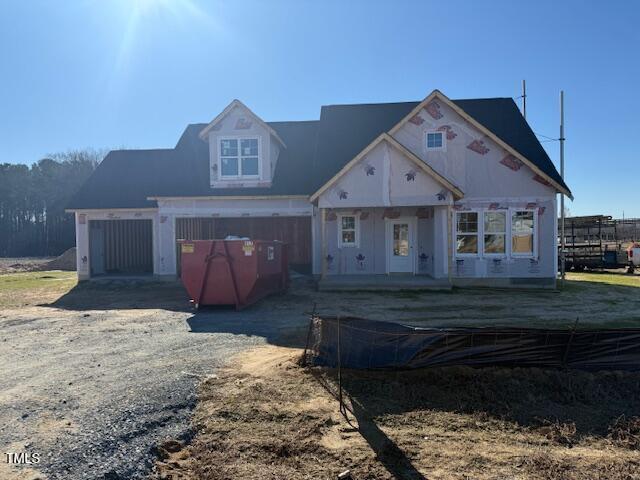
(265, 417)
(32, 288)
(618, 279)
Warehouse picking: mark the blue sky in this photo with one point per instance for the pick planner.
(133, 73)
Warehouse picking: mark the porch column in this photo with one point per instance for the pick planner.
(441, 241)
(323, 239)
(164, 263)
(82, 246)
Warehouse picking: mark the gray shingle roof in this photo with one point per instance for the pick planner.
(316, 150)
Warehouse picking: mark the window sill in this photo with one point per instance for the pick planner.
(240, 184)
(239, 179)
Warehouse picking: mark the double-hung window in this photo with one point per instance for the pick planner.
(435, 141)
(348, 231)
(239, 158)
(495, 232)
(467, 233)
(523, 232)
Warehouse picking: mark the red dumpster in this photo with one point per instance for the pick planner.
(233, 272)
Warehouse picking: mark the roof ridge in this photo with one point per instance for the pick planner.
(410, 101)
(369, 104)
(293, 121)
(480, 99)
(142, 150)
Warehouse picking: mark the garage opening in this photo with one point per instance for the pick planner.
(121, 247)
(295, 231)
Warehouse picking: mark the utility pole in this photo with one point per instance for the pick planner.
(524, 99)
(562, 236)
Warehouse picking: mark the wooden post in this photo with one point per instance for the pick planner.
(449, 249)
(562, 241)
(323, 239)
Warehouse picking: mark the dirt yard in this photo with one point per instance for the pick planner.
(98, 374)
(24, 264)
(265, 417)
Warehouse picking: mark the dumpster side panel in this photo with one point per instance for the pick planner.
(232, 272)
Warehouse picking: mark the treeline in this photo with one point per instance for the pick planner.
(32, 202)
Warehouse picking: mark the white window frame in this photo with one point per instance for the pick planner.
(479, 234)
(507, 233)
(534, 252)
(356, 226)
(443, 148)
(240, 176)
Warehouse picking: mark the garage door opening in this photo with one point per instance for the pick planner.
(294, 231)
(120, 247)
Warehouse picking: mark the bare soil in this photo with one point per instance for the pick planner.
(23, 264)
(265, 417)
(65, 261)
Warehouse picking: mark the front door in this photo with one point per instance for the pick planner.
(400, 249)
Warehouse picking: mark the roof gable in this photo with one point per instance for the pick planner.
(345, 130)
(502, 121)
(233, 105)
(392, 142)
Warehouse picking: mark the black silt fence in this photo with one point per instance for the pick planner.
(369, 344)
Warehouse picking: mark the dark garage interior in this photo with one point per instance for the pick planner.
(121, 247)
(294, 231)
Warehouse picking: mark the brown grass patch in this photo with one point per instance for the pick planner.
(625, 432)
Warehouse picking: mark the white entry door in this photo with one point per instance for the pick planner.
(400, 238)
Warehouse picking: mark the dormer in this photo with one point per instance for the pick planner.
(243, 149)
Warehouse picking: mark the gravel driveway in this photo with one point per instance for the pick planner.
(93, 390)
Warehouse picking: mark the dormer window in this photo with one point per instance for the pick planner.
(435, 141)
(239, 157)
